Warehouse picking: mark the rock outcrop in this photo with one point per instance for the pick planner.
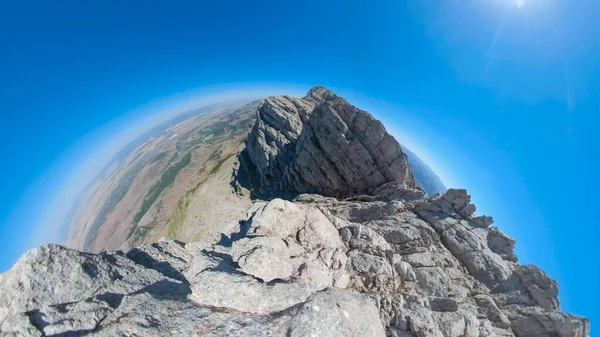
(322, 144)
(386, 261)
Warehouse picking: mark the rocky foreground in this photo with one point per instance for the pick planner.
(369, 255)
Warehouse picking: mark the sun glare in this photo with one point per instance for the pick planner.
(520, 3)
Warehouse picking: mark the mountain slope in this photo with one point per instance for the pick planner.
(388, 261)
(152, 191)
(424, 176)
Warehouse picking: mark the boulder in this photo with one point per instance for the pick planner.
(266, 258)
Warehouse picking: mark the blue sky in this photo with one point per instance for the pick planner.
(499, 96)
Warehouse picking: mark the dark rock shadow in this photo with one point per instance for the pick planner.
(247, 176)
(227, 241)
(140, 257)
(166, 290)
(112, 299)
(36, 318)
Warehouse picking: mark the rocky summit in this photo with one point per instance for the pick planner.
(322, 144)
(356, 249)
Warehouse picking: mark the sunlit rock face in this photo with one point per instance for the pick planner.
(322, 144)
(386, 261)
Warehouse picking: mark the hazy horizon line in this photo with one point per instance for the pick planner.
(57, 191)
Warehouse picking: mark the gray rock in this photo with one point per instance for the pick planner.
(359, 212)
(62, 290)
(245, 293)
(482, 221)
(487, 307)
(536, 321)
(322, 144)
(456, 324)
(404, 270)
(364, 239)
(167, 256)
(275, 279)
(443, 282)
(501, 244)
(334, 313)
(372, 273)
(470, 249)
(284, 219)
(266, 258)
(398, 191)
(386, 260)
(528, 286)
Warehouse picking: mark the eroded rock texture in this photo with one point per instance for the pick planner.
(316, 266)
(322, 144)
(386, 261)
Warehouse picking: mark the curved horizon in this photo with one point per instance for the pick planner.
(57, 191)
(73, 171)
(506, 111)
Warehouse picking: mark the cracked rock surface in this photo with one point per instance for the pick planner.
(322, 144)
(361, 260)
(322, 267)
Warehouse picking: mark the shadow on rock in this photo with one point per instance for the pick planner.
(163, 267)
(166, 290)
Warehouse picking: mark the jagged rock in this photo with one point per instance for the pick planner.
(501, 244)
(364, 239)
(386, 260)
(483, 264)
(284, 219)
(168, 257)
(359, 212)
(335, 313)
(372, 273)
(109, 294)
(49, 283)
(423, 279)
(536, 321)
(322, 144)
(398, 191)
(487, 307)
(482, 221)
(529, 286)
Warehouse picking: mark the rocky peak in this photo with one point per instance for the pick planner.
(391, 262)
(322, 144)
(319, 94)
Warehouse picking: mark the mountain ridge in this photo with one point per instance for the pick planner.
(425, 177)
(373, 257)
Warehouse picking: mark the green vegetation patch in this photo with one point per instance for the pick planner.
(139, 233)
(177, 218)
(113, 200)
(159, 157)
(215, 154)
(166, 179)
(216, 168)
